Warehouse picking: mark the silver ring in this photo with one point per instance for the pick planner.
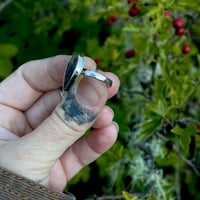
(73, 71)
(98, 76)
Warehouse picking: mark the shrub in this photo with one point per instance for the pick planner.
(152, 45)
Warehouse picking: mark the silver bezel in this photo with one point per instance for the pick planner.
(73, 71)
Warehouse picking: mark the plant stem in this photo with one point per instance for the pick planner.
(110, 197)
(175, 148)
(177, 179)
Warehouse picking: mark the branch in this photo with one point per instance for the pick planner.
(194, 121)
(186, 160)
(134, 92)
(4, 4)
(175, 148)
(118, 197)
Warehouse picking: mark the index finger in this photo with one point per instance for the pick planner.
(22, 88)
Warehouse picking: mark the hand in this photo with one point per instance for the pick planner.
(40, 135)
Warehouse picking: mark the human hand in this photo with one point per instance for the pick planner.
(36, 140)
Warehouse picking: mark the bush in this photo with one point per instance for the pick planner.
(152, 45)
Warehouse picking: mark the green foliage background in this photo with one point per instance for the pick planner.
(157, 155)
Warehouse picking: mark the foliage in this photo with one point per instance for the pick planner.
(157, 155)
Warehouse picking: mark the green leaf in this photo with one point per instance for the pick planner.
(190, 130)
(177, 130)
(153, 11)
(5, 67)
(158, 107)
(127, 196)
(149, 127)
(198, 58)
(130, 28)
(184, 141)
(187, 88)
(186, 3)
(152, 197)
(8, 50)
(185, 136)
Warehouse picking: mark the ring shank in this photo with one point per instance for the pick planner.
(98, 76)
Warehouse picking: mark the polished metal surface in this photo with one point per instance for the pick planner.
(75, 68)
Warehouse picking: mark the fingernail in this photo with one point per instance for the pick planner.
(90, 92)
(116, 125)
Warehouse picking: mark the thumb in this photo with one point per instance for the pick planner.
(37, 152)
(80, 107)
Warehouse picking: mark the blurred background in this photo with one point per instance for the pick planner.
(153, 46)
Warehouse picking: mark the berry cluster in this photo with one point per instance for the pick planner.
(179, 26)
(133, 11)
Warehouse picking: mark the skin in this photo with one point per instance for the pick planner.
(75, 112)
(40, 137)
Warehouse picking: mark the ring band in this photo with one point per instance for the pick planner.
(97, 76)
(75, 68)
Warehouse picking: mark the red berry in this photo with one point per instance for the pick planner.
(112, 19)
(109, 22)
(97, 61)
(133, 11)
(198, 127)
(180, 31)
(130, 53)
(178, 23)
(186, 49)
(168, 14)
(131, 1)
